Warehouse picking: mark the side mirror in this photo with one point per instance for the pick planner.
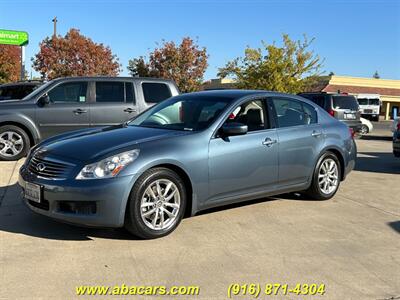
(44, 100)
(231, 129)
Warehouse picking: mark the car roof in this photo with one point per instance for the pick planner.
(19, 83)
(236, 93)
(110, 78)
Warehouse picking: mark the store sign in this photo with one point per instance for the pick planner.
(12, 37)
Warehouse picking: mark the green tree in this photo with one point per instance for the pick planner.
(184, 63)
(74, 55)
(285, 69)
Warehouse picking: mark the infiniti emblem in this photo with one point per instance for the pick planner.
(40, 167)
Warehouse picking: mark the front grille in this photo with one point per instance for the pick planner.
(49, 168)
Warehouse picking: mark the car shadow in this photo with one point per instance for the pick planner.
(15, 217)
(395, 226)
(377, 162)
(372, 137)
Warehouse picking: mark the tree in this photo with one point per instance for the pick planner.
(376, 75)
(282, 69)
(74, 55)
(184, 63)
(10, 63)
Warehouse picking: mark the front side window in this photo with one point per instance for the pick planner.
(291, 112)
(191, 113)
(155, 92)
(250, 113)
(71, 92)
(110, 91)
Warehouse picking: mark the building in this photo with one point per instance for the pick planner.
(388, 89)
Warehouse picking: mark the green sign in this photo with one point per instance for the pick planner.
(12, 37)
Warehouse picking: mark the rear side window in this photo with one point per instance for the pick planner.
(155, 92)
(109, 91)
(310, 114)
(291, 112)
(72, 92)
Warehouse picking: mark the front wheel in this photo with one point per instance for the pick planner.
(14, 142)
(156, 205)
(326, 177)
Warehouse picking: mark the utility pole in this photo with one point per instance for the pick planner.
(55, 27)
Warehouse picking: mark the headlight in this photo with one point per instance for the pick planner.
(108, 167)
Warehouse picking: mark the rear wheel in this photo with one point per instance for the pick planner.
(326, 177)
(157, 204)
(14, 142)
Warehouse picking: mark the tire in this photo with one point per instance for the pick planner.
(14, 143)
(364, 129)
(139, 219)
(315, 191)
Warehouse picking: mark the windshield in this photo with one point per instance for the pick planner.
(38, 91)
(186, 112)
(365, 101)
(345, 102)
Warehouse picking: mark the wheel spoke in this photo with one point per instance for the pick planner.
(174, 205)
(149, 212)
(170, 195)
(158, 188)
(149, 191)
(170, 214)
(155, 218)
(147, 204)
(161, 218)
(167, 188)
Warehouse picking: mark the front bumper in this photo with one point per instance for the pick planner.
(61, 197)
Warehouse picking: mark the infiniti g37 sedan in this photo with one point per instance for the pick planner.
(186, 154)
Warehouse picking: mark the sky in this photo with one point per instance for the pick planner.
(354, 37)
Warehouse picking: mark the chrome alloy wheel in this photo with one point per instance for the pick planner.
(11, 143)
(328, 176)
(160, 204)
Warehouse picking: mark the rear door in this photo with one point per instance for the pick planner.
(68, 109)
(300, 139)
(114, 103)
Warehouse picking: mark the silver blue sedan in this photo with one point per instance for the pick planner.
(186, 154)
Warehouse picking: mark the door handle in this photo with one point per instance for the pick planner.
(268, 142)
(80, 111)
(316, 133)
(129, 110)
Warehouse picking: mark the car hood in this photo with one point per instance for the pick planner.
(87, 145)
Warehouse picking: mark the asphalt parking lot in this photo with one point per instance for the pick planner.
(350, 243)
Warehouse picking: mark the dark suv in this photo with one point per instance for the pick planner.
(18, 90)
(72, 103)
(343, 107)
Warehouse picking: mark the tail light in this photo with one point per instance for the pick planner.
(331, 112)
(398, 126)
(352, 132)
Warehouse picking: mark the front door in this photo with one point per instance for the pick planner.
(247, 163)
(68, 109)
(114, 104)
(300, 140)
